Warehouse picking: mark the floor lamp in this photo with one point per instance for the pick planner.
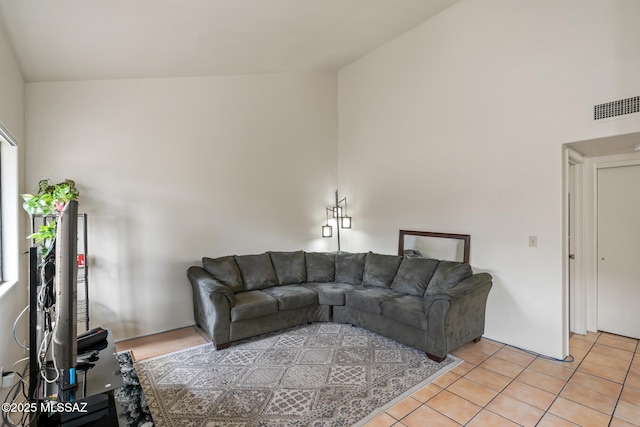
(340, 214)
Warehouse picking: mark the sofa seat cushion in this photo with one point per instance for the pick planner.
(369, 299)
(406, 309)
(331, 293)
(292, 296)
(251, 304)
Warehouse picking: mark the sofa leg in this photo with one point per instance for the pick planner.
(221, 346)
(477, 339)
(435, 358)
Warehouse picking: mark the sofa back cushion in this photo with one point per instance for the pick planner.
(321, 266)
(350, 267)
(379, 270)
(225, 270)
(289, 267)
(447, 275)
(414, 275)
(257, 271)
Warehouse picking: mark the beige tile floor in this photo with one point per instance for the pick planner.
(497, 385)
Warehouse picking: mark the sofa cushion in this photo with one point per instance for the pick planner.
(225, 270)
(414, 275)
(330, 293)
(289, 267)
(369, 299)
(447, 275)
(292, 296)
(251, 304)
(379, 270)
(349, 267)
(257, 271)
(406, 309)
(321, 266)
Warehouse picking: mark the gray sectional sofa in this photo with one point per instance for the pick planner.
(434, 306)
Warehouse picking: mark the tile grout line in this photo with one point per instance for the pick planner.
(536, 357)
(567, 382)
(576, 369)
(557, 395)
(505, 387)
(502, 346)
(633, 355)
(462, 376)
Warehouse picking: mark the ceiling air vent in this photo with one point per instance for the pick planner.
(621, 107)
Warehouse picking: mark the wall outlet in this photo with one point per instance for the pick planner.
(533, 241)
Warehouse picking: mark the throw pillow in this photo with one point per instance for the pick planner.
(447, 275)
(225, 270)
(379, 270)
(414, 275)
(350, 267)
(289, 267)
(257, 271)
(321, 266)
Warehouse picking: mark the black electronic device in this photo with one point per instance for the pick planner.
(90, 339)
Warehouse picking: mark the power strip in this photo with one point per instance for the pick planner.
(7, 379)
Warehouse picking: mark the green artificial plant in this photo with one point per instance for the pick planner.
(51, 198)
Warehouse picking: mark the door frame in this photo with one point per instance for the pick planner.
(581, 299)
(575, 286)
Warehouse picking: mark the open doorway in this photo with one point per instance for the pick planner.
(582, 161)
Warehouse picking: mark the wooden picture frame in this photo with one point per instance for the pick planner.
(465, 238)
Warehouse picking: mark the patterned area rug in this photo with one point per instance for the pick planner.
(319, 375)
(134, 409)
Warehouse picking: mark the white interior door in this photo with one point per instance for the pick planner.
(619, 250)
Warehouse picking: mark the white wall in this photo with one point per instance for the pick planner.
(13, 294)
(170, 170)
(457, 126)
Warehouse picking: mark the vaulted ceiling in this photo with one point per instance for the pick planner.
(114, 39)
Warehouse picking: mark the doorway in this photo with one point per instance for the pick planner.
(582, 162)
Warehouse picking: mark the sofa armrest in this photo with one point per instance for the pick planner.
(212, 303)
(207, 283)
(457, 315)
(467, 286)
